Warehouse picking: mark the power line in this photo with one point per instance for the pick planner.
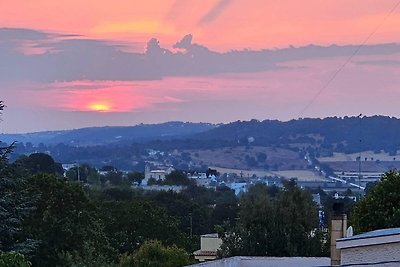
(348, 60)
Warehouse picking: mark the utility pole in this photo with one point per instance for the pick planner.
(191, 225)
(360, 148)
(78, 173)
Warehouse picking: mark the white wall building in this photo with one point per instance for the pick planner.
(158, 174)
(209, 244)
(376, 248)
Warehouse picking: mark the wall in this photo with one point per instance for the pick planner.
(372, 254)
(210, 243)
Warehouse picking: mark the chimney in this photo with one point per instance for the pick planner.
(338, 230)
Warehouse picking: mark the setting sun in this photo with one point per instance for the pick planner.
(102, 107)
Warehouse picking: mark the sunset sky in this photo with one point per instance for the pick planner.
(71, 64)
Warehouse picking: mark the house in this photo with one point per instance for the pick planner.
(201, 179)
(158, 174)
(337, 196)
(209, 244)
(68, 166)
(238, 188)
(199, 175)
(377, 248)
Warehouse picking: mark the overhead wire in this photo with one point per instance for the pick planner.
(347, 61)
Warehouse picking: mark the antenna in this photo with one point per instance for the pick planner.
(348, 60)
(349, 231)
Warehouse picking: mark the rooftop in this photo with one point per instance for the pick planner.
(376, 233)
(377, 237)
(242, 261)
(214, 235)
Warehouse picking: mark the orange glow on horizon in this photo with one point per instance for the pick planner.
(102, 97)
(100, 107)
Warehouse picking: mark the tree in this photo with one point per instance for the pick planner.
(135, 177)
(226, 208)
(210, 172)
(63, 221)
(128, 224)
(261, 157)
(108, 168)
(40, 163)
(252, 233)
(251, 161)
(296, 223)
(15, 206)
(13, 259)
(380, 208)
(87, 174)
(115, 178)
(178, 178)
(282, 225)
(153, 254)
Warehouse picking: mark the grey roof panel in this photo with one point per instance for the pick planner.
(376, 233)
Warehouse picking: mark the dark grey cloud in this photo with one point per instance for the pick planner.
(14, 34)
(69, 59)
(215, 11)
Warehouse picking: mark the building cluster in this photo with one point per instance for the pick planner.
(240, 183)
(361, 178)
(213, 180)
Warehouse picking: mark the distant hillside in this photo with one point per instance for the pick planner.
(107, 135)
(336, 134)
(187, 145)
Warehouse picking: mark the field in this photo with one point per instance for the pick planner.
(365, 156)
(301, 175)
(247, 158)
(370, 162)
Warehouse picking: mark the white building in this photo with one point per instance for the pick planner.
(238, 188)
(158, 174)
(375, 248)
(209, 244)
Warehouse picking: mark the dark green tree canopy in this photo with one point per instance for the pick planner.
(63, 221)
(86, 174)
(13, 259)
(40, 163)
(380, 208)
(153, 254)
(16, 204)
(282, 223)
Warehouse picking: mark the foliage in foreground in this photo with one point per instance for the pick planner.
(274, 222)
(380, 208)
(13, 259)
(153, 254)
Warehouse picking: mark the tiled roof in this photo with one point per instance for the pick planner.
(215, 235)
(205, 253)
